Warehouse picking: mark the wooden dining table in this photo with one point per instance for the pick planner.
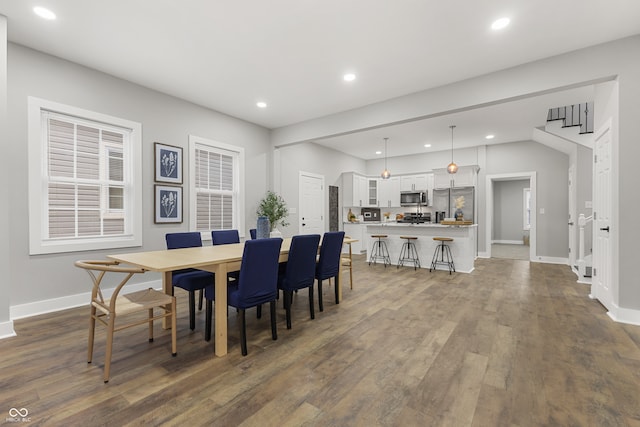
(217, 259)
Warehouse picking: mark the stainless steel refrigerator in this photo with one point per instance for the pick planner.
(444, 200)
(468, 195)
(440, 203)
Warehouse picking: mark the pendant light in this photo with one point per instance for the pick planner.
(385, 173)
(452, 168)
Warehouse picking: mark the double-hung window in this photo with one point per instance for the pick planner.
(84, 190)
(216, 191)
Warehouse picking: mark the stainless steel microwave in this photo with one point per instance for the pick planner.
(413, 198)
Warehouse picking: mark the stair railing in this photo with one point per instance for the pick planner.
(574, 115)
(582, 222)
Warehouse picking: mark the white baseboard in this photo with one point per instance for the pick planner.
(483, 255)
(551, 260)
(624, 315)
(6, 330)
(56, 304)
(507, 242)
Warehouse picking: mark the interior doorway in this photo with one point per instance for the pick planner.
(523, 244)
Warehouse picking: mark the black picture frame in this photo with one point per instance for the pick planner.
(167, 204)
(168, 163)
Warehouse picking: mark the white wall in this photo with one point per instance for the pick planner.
(312, 158)
(508, 210)
(164, 119)
(552, 192)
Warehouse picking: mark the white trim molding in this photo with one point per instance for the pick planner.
(71, 301)
(6, 330)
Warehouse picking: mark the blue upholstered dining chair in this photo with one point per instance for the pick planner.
(190, 279)
(257, 283)
(299, 270)
(253, 233)
(329, 262)
(225, 237)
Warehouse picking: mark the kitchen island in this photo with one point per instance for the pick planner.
(463, 247)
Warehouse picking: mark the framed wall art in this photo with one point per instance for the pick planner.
(168, 204)
(168, 163)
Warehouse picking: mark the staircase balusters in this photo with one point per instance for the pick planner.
(574, 115)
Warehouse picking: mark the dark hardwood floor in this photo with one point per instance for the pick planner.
(512, 344)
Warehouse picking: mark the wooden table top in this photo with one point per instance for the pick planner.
(177, 259)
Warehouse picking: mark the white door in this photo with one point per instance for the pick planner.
(311, 218)
(602, 189)
(572, 218)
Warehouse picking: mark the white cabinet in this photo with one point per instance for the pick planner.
(441, 178)
(354, 190)
(467, 176)
(413, 182)
(389, 192)
(429, 188)
(372, 192)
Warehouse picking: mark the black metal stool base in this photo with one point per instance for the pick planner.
(408, 254)
(442, 251)
(379, 252)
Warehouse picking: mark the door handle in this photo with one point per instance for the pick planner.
(605, 229)
(571, 223)
(303, 224)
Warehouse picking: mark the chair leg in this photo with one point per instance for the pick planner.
(243, 332)
(192, 309)
(259, 311)
(335, 287)
(320, 306)
(274, 327)
(208, 320)
(92, 331)
(287, 296)
(174, 328)
(107, 354)
(311, 308)
(351, 274)
(200, 298)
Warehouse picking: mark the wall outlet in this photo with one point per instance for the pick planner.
(588, 204)
(541, 211)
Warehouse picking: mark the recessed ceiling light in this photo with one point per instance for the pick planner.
(261, 104)
(489, 136)
(44, 13)
(378, 152)
(427, 145)
(499, 24)
(349, 77)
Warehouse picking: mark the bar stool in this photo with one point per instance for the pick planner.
(379, 250)
(408, 253)
(445, 252)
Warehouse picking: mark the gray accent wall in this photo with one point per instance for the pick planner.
(6, 327)
(164, 119)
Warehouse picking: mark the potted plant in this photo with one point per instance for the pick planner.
(273, 207)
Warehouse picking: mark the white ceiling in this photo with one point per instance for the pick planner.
(228, 54)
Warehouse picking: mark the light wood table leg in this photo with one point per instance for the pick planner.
(220, 308)
(167, 288)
